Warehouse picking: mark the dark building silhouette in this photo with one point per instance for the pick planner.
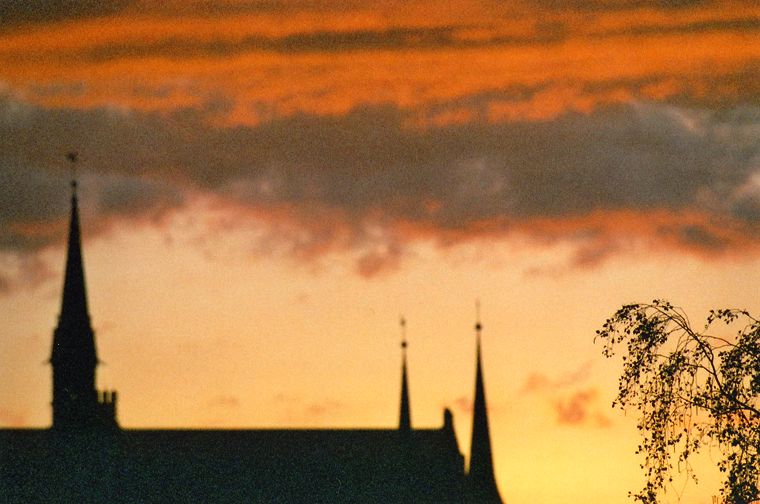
(77, 405)
(86, 457)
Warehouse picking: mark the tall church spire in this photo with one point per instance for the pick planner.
(481, 481)
(74, 310)
(77, 404)
(405, 415)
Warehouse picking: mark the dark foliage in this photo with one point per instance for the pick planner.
(692, 390)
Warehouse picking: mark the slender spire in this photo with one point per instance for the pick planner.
(482, 484)
(74, 357)
(405, 416)
(74, 309)
(73, 157)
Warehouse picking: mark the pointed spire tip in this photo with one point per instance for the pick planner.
(405, 422)
(73, 157)
(402, 323)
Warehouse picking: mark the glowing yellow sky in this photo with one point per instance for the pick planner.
(266, 187)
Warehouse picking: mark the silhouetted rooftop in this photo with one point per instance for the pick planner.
(263, 465)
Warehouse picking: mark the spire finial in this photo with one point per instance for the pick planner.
(73, 157)
(405, 415)
(478, 325)
(402, 323)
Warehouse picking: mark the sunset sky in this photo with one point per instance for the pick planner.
(266, 186)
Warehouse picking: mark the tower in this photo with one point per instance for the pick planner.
(480, 478)
(77, 404)
(405, 415)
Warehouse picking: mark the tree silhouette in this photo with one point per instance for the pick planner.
(692, 389)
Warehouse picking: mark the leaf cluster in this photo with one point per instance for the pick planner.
(692, 390)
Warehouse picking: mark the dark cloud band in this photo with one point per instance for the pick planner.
(368, 179)
(19, 12)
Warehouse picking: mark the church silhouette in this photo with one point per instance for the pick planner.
(85, 456)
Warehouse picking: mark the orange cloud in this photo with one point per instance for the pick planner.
(463, 404)
(251, 66)
(580, 409)
(573, 402)
(540, 382)
(296, 410)
(322, 408)
(224, 402)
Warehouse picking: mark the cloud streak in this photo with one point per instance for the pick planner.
(20, 12)
(389, 39)
(572, 401)
(580, 408)
(264, 61)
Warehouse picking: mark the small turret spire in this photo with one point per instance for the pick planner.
(405, 416)
(481, 481)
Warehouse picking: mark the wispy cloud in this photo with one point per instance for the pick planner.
(296, 409)
(20, 12)
(224, 402)
(320, 409)
(463, 404)
(572, 400)
(541, 382)
(581, 408)
(618, 5)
